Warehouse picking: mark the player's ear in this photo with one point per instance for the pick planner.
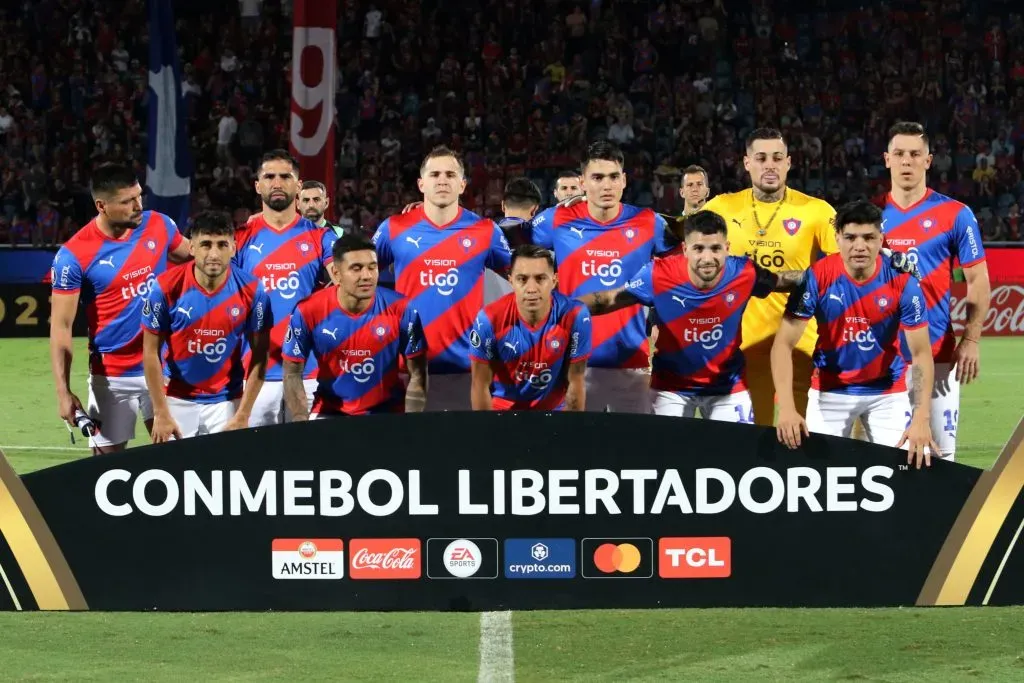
(885, 156)
(419, 184)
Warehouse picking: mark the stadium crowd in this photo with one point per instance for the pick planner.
(520, 89)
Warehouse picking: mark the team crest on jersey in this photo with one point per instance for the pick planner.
(304, 247)
(234, 311)
(927, 224)
(555, 344)
(882, 302)
(380, 331)
(791, 225)
(730, 298)
(151, 245)
(467, 243)
(629, 234)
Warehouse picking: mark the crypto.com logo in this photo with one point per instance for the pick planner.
(312, 95)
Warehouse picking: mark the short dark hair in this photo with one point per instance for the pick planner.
(704, 223)
(765, 134)
(694, 168)
(280, 155)
(568, 173)
(106, 179)
(350, 241)
(443, 151)
(532, 251)
(603, 150)
(521, 192)
(859, 212)
(908, 128)
(314, 185)
(213, 223)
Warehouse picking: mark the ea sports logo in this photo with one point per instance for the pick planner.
(462, 558)
(623, 558)
(307, 549)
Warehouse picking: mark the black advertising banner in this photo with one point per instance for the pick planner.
(25, 311)
(486, 511)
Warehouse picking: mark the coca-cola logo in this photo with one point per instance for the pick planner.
(396, 558)
(1005, 315)
(385, 558)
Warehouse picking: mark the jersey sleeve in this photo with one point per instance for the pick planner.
(663, 239)
(481, 339)
(913, 313)
(156, 317)
(967, 238)
(298, 340)
(241, 239)
(174, 236)
(382, 241)
(825, 236)
(764, 281)
(412, 340)
(67, 272)
(542, 229)
(641, 285)
(580, 341)
(327, 241)
(803, 301)
(260, 314)
(499, 256)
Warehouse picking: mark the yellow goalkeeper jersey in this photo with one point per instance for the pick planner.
(795, 232)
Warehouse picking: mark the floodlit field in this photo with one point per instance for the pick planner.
(669, 645)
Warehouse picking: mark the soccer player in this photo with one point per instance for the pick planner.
(530, 347)
(598, 243)
(860, 302)
(779, 229)
(934, 230)
(567, 185)
(357, 332)
(198, 313)
(440, 251)
(694, 189)
(519, 205)
(699, 297)
(109, 264)
(313, 202)
(289, 255)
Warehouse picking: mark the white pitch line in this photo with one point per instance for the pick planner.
(497, 661)
(44, 448)
(10, 588)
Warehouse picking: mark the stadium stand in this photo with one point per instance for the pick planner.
(520, 88)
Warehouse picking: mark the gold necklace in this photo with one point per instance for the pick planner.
(762, 231)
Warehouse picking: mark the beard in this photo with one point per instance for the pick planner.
(129, 224)
(312, 215)
(278, 203)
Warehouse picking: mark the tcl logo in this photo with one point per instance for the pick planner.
(697, 557)
(385, 558)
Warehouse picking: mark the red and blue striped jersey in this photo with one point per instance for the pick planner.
(441, 269)
(857, 351)
(700, 331)
(290, 263)
(112, 277)
(357, 354)
(934, 231)
(530, 364)
(204, 331)
(593, 256)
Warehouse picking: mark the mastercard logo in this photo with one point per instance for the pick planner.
(623, 558)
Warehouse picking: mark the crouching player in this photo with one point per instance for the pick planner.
(199, 313)
(860, 302)
(356, 331)
(530, 347)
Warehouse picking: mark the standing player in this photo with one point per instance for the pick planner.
(860, 302)
(357, 332)
(779, 229)
(440, 251)
(519, 205)
(597, 244)
(313, 202)
(110, 264)
(198, 313)
(288, 254)
(934, 230)
(567, 185)
(699, 296)
(694, 189)
(530, 347)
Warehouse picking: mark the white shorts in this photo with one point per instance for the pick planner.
(196, 419)
(447, 392)
(618, 390)
(117, 402)
(735, 407)
(269, 408)
(885, 416)
(945, 407)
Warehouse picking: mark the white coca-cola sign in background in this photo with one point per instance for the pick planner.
(1006, 313)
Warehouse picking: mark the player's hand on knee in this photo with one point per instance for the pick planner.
(237, 421)
(410, 207)
(67, 405)
(165, 428)
(920, 444)
(791, 428)
(573, 200)
(968, 361)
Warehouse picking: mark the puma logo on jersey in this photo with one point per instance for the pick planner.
(107, 262)
(514, 347)
(186, 313)
(330, 333)
(681, 301)
(258, 248)
(578, 231)
(415, 242)
(838, 297)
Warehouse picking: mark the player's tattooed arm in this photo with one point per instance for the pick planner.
(608, 300)
(295, 391)
(576, 394)
(918, 436)
(480, 388)
(416, 392)
(788, 280)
